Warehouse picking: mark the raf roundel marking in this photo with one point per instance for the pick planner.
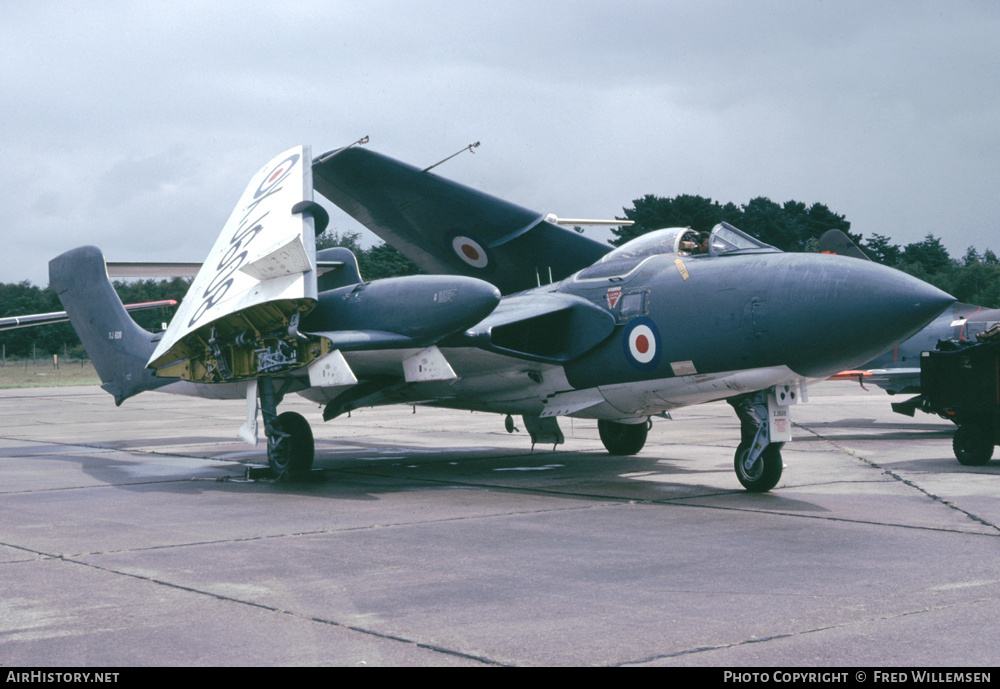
(276, 174)
(470, 251)
(642, 344)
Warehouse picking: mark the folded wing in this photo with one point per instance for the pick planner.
(239, 315)
(447, 228)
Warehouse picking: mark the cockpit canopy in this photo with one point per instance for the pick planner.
(724, 239)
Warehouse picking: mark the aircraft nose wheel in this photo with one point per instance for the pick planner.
(762, 475)
(291, 447)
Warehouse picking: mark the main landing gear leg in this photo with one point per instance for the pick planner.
(758, 460)
(290, 444)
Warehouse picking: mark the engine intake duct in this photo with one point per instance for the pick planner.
(545, 327)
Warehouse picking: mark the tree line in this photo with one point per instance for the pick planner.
(23, 298)
(792, 226)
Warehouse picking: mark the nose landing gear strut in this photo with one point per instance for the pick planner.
(764, 429)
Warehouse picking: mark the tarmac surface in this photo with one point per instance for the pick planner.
(132, 537)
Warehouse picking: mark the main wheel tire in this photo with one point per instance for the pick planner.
(622, 438)
(766, 472)
(298, 449)
(973, 444)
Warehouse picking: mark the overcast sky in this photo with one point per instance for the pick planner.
(136, 126)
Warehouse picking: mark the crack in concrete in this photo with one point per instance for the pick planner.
(269, 608)
(804, 632)
(905, 481)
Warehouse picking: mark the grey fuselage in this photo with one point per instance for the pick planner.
(635, 336)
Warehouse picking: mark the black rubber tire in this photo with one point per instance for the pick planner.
(768, 471)
(973, 444)
(300, 450)
(623, 438)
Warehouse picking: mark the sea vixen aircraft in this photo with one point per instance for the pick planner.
(516, 315)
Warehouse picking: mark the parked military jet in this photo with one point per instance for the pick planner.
(898, 370)
(516, 316)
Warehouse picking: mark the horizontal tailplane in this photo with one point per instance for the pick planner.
(117, 346)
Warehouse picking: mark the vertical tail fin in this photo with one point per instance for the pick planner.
(345, 274)
(117, 346)
(836, 242)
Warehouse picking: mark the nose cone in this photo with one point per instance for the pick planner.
(845, 311)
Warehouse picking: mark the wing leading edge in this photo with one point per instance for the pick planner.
(447, 228)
